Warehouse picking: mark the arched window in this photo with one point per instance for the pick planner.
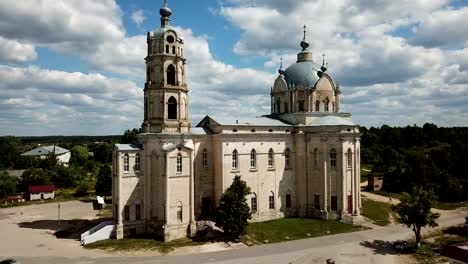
(167, 48)
(235, 159)
(146, 108)
(271, 200)
(253, 159)
(286, 110)
(288, 199)
(179, 211)
(287, 162)
(326, 103)
(126, 163)
(253, 202)
(301, 105)
(316, 157)
(137, 162)
(317, 106)
(179, 163)
(278, 106)
(171, 80)
(271, 161)
(204, 158)
(333, 157)
(173, 50)
(350, 157)
(172, 108)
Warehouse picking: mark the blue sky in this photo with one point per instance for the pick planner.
(76, 67)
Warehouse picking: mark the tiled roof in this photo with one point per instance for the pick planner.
(41, 188)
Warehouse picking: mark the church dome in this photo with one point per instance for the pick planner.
(302, 73)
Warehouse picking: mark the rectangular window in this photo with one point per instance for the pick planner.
(253, 202)
(126, 163)
(179, 163)
(137, 212)
(333, 159)
(205, 158)
(288, 200)
(317, 201)
(334, 203)
(126, 213)
(137, 162)
(271, 202)
(235, 161)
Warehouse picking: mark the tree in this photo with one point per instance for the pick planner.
(130, 136)
(79, 155)
(103, 185)
(414, 211)
(7, 184)
(33, 177)
(233, 212)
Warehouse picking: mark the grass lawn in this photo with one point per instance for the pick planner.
(296, 228)
(131, 244)
(377, 211)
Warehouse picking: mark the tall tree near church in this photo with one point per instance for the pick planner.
(414, 211)
(233, 212)
(103, 185)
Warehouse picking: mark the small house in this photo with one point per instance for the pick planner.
(375, 181)
(62, 155)
(41, 192)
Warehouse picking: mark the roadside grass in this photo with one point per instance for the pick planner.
(61, 195)
(379, 212)
(450, 206)
(295, 228)
(149, 244)
(434, 243)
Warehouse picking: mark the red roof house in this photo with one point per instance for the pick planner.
(40, 192)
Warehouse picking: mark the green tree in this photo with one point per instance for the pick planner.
(79, 155)
(103, 185)
(233, 212)
(7, 184)
(130, 136)
(414, 211)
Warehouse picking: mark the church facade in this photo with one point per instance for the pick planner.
(300, 160)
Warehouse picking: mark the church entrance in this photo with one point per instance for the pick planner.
(350, 204)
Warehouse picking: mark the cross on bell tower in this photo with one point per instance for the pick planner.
(166, 98)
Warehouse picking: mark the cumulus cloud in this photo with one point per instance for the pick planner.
(35, 100)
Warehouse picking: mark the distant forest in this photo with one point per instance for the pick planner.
(429, 156)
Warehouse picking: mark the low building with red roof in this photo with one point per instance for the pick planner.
(41, 192)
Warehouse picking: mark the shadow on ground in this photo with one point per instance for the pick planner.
(65, 229)
(380, 247)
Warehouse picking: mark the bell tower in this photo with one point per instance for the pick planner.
(165, 93)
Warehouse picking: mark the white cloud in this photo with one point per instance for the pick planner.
(442, 28)
(15, 51)
(35, 101)
(138, 17)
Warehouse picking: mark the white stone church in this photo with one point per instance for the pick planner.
(300, 160)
